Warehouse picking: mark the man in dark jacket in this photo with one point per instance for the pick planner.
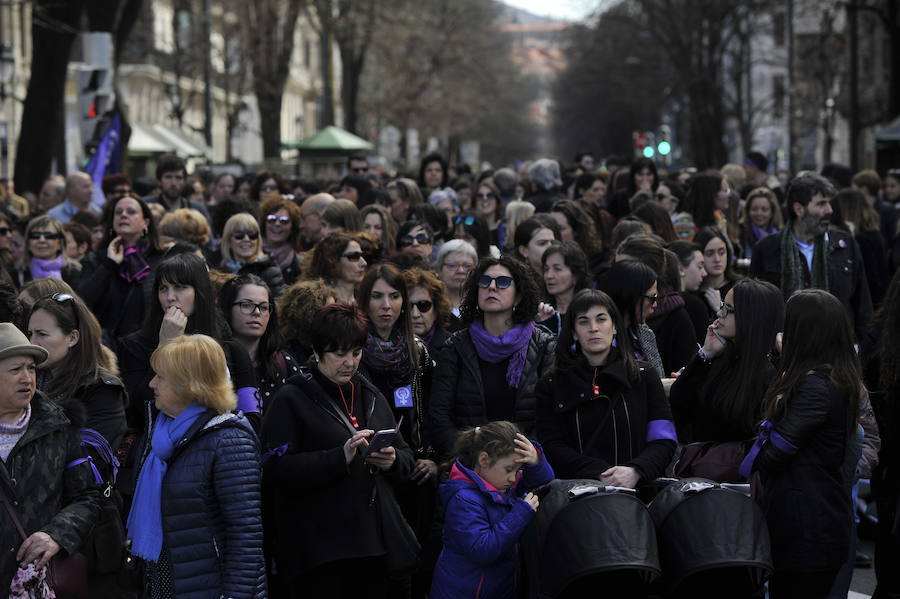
(546, 184)
(807, 254)
(171, 172)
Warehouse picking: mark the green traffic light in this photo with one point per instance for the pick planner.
(664, 148)
(648, 152)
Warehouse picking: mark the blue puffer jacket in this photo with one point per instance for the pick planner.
(212, 512)
(482, 527)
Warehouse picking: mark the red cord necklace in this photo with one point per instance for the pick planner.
(594, 386)
(349, 409)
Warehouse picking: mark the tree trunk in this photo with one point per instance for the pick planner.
(706, 125)
(42, 116)
(270, 122)
(350, 76)
(326, 117)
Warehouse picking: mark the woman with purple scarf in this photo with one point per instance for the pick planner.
(116, 281)
(761, 218)
(45, 256)
(488, 370)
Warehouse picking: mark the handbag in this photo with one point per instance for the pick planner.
(715, 460)
(400, 544)
(67, 576)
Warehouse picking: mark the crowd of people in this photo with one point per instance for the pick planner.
(252, 386)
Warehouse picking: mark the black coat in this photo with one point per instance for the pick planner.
(266, 270)
(846, 273)
(583, 437)
(699, 313)
(674, 337)
(118, 304)
(318, 507)
(457, 391)
(874, 254)
(806, 493)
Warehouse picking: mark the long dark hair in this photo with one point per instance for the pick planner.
(569, 357)
(526, 287)
(736, 374)
(574, 258)
(626, 282)
(391, 275)
(109, 216)
(583, 229)
(888, 320)
(817, 332)
(271, 341)
(706, 235)
(701, 197)
(185, 269)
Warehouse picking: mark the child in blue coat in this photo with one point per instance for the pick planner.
(486, 511)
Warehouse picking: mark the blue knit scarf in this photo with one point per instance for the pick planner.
(145, 519)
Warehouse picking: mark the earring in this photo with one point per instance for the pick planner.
(144, 232)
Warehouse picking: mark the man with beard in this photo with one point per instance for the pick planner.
(171, 172)
(807, 254)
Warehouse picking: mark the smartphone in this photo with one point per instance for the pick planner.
(382, 439)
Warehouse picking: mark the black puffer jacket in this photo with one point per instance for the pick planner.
(627, 424)
(457, 392)
(49, 496)
(806, 489)
(265, 269)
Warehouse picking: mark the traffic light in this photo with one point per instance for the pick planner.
(94, 81)
(648, 152)
(664, 148)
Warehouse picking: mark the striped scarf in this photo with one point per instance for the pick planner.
(793, 264)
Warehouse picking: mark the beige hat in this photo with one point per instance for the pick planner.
(13, 342)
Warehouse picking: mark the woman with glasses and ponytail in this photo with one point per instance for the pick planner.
(81, 375)
(488, 370)
(601, 414)
(242, 252)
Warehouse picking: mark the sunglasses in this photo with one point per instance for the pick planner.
(4, 231)
(248, 307)
(268, 188)
(485, 196)
(65, 298)
(44, 235)
(273, 218)
(238, 235)
(421, 239)
(359, 169)
(725, 309)
(468, 221)
(502, 282)
(352, 256)
(423, 306)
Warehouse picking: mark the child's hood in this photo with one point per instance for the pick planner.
(463, 478)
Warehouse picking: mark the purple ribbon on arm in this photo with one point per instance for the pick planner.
(248, 399)
(97, 478)
(661, 429)
(766, 434)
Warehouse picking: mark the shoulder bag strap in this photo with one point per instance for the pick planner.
(12, 513)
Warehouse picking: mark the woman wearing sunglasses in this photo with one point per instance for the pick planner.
(338, 260)
(416, 238)
(490, 208)
(45, 256)
(487, 371)
(279, 222)
(429, 307)
(82, 375)
(249, 309)
(242, 252)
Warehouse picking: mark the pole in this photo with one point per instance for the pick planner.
(207, 78)
(854, 84)
(790, 87)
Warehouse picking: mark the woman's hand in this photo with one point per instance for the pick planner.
(352, 444)
(173, 324)
(526, 453)
(544, 312)
(620, 476)
(532, 501)
(713, 298)
(713, 345)
(384, 459)
(779, 341)
(37, 548)
(116, 250)
(423, 470)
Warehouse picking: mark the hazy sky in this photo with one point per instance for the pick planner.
(572, 10)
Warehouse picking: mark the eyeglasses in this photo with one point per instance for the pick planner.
(65, 298)
(421, 239)
(44, 235)
(652, 298)
(724, 310)
(359, 170)
(485, 196)
(248, 307)
(725, 192)
(4, 231)
(468, 221)
(269, 187)
(458, 266)
(274, 218)
(352, 256)
(423, 306)
(238, 235)
(662, 197)
(502, 282)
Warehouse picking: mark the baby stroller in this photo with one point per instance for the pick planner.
(590, 540)
(713, 540)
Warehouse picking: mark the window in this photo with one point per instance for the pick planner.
(779, 28)
(162, 27)
(183, 29)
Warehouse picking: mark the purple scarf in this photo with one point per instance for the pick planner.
(47, 268)
(429, 334)
(134, 265)
(512, 344)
